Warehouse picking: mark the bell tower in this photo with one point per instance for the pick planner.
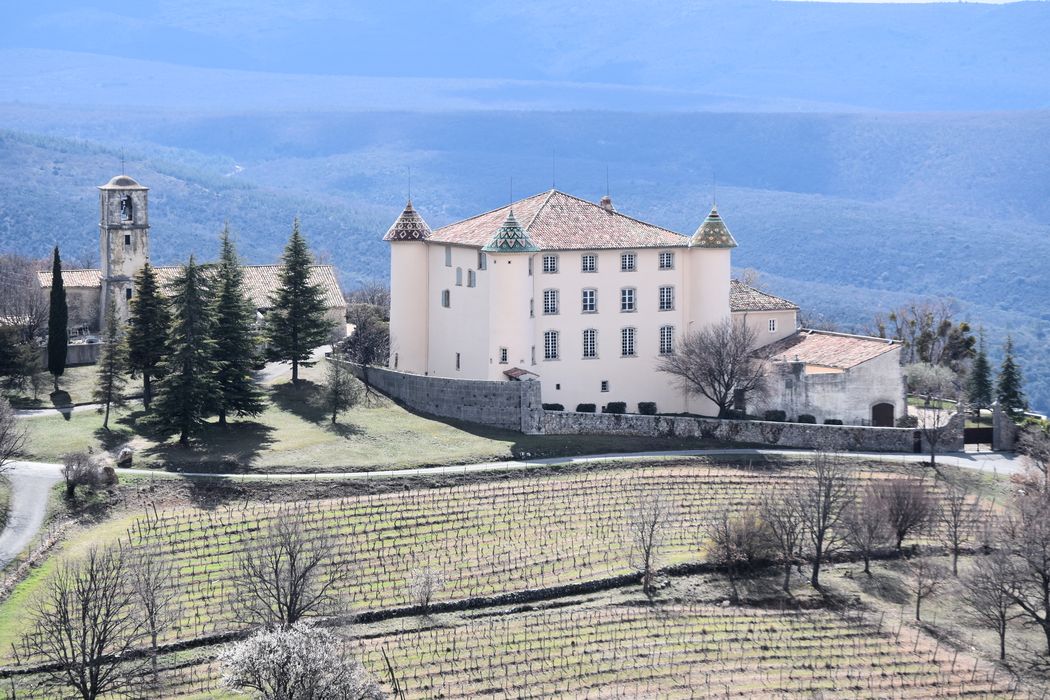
(123, 226)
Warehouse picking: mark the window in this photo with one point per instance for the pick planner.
(472, 278)
(627, 299)
(457, 361)
(589, 263)
(126, 208)
(605, 385)
(666, 260)
(590, 343)
(550, 263)
(503, 356)
(550, 301)
(666, 298)
(772, 325)
(127, 240)
(127, 293)
(590, 301)
(532, 308)
(666, 340)
(446, 298)
(530, 266)
(459, 276)
(448, 256)
(483, 262)
(550, 345)
(627, 342)
(532, 354)
(395, 360)
(628, 262)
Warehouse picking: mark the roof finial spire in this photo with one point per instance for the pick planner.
(714, 190)
(606, 179)
(554, 169)
(511, 194)
(410, 184)
(122, 161)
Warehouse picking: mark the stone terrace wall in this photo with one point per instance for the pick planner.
(802, 435)
(510, 405)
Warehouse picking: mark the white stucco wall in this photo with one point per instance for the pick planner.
(463, 326)
(785, 322)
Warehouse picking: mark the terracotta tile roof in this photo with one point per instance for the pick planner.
(558, 221)
(259, 281)
(72, 278)
(827, 349)
(745, 298)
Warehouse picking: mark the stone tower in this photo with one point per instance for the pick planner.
(123, 227)
(408, 291)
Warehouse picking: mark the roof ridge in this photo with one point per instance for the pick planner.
(546, 200)
(760, 291)
(818, 331)
(620, 213)
(493, 211)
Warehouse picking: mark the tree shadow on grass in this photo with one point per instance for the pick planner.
(305, 402)
(884, 586)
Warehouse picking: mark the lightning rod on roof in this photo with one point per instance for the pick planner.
(554, 169)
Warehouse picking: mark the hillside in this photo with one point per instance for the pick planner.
(846, 214)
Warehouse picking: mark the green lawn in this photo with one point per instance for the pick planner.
(76, 386)
(293, 434)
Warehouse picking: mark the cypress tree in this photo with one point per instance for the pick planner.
(147, 330)
(186, 388)
(979, 387)
(1009, 390)
(112, 364)
(235, 339)
(57, 323)
(296, 323)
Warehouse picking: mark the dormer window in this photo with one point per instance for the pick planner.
(126, 213)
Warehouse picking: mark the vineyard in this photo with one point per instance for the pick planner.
(481, 538)
(677, 651)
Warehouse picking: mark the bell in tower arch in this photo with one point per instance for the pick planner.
(126, 213)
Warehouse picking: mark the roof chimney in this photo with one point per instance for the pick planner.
(606, 203)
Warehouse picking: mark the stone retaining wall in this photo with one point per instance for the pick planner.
(510, 405)
(801, 435)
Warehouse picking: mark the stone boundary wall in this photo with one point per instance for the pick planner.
(77, 354)
(802, 435)
(510, 405)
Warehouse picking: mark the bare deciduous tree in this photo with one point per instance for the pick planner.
(958, 516)
(941, 389)
(374, 293)
(737, 542)
(986, 593)
(927, 577)
(288, 573)
(907, 506)
(422, 586)
(823, 499)
(646, 532)
(80, 469)
(786, 528)
(151, 578)
(719, 363)
(300, 662)
(1027, 529)
(12, 435)
(865, 525)
(929, 333)
(85, 623)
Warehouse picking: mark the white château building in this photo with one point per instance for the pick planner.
(586, 300)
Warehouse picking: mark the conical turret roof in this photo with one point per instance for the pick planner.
(712, 233)
(408, 227)
(510, 238)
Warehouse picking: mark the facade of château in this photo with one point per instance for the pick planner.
(586, 300)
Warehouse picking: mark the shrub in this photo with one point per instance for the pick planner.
(775, 415)
(616, 407)
(553, 407)
(806, 418)
(586, 408)
(833, 421)
(735, 414)
(908, 422)
(647, 408)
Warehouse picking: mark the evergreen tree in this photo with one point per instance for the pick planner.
(147, 330)
(979, 387)
(57, 323)
(296, 323)
(112, 364)
(341, 390)
(235, 339)
(186, 388)
(1009, 390)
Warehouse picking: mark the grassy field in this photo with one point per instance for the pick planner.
(293, 434)
(76, 386)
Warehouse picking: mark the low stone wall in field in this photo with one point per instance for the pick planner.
(801, 435)
(510, 405)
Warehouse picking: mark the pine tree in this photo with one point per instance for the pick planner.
(112, 364)
(296, 323)
(1009, 390)
(186, 389)
(147, 330)
(235, 339)
(979, 387)
(57, 323)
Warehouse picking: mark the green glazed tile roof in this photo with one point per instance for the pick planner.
(408, 227)
(510, 238)
(712, 233)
